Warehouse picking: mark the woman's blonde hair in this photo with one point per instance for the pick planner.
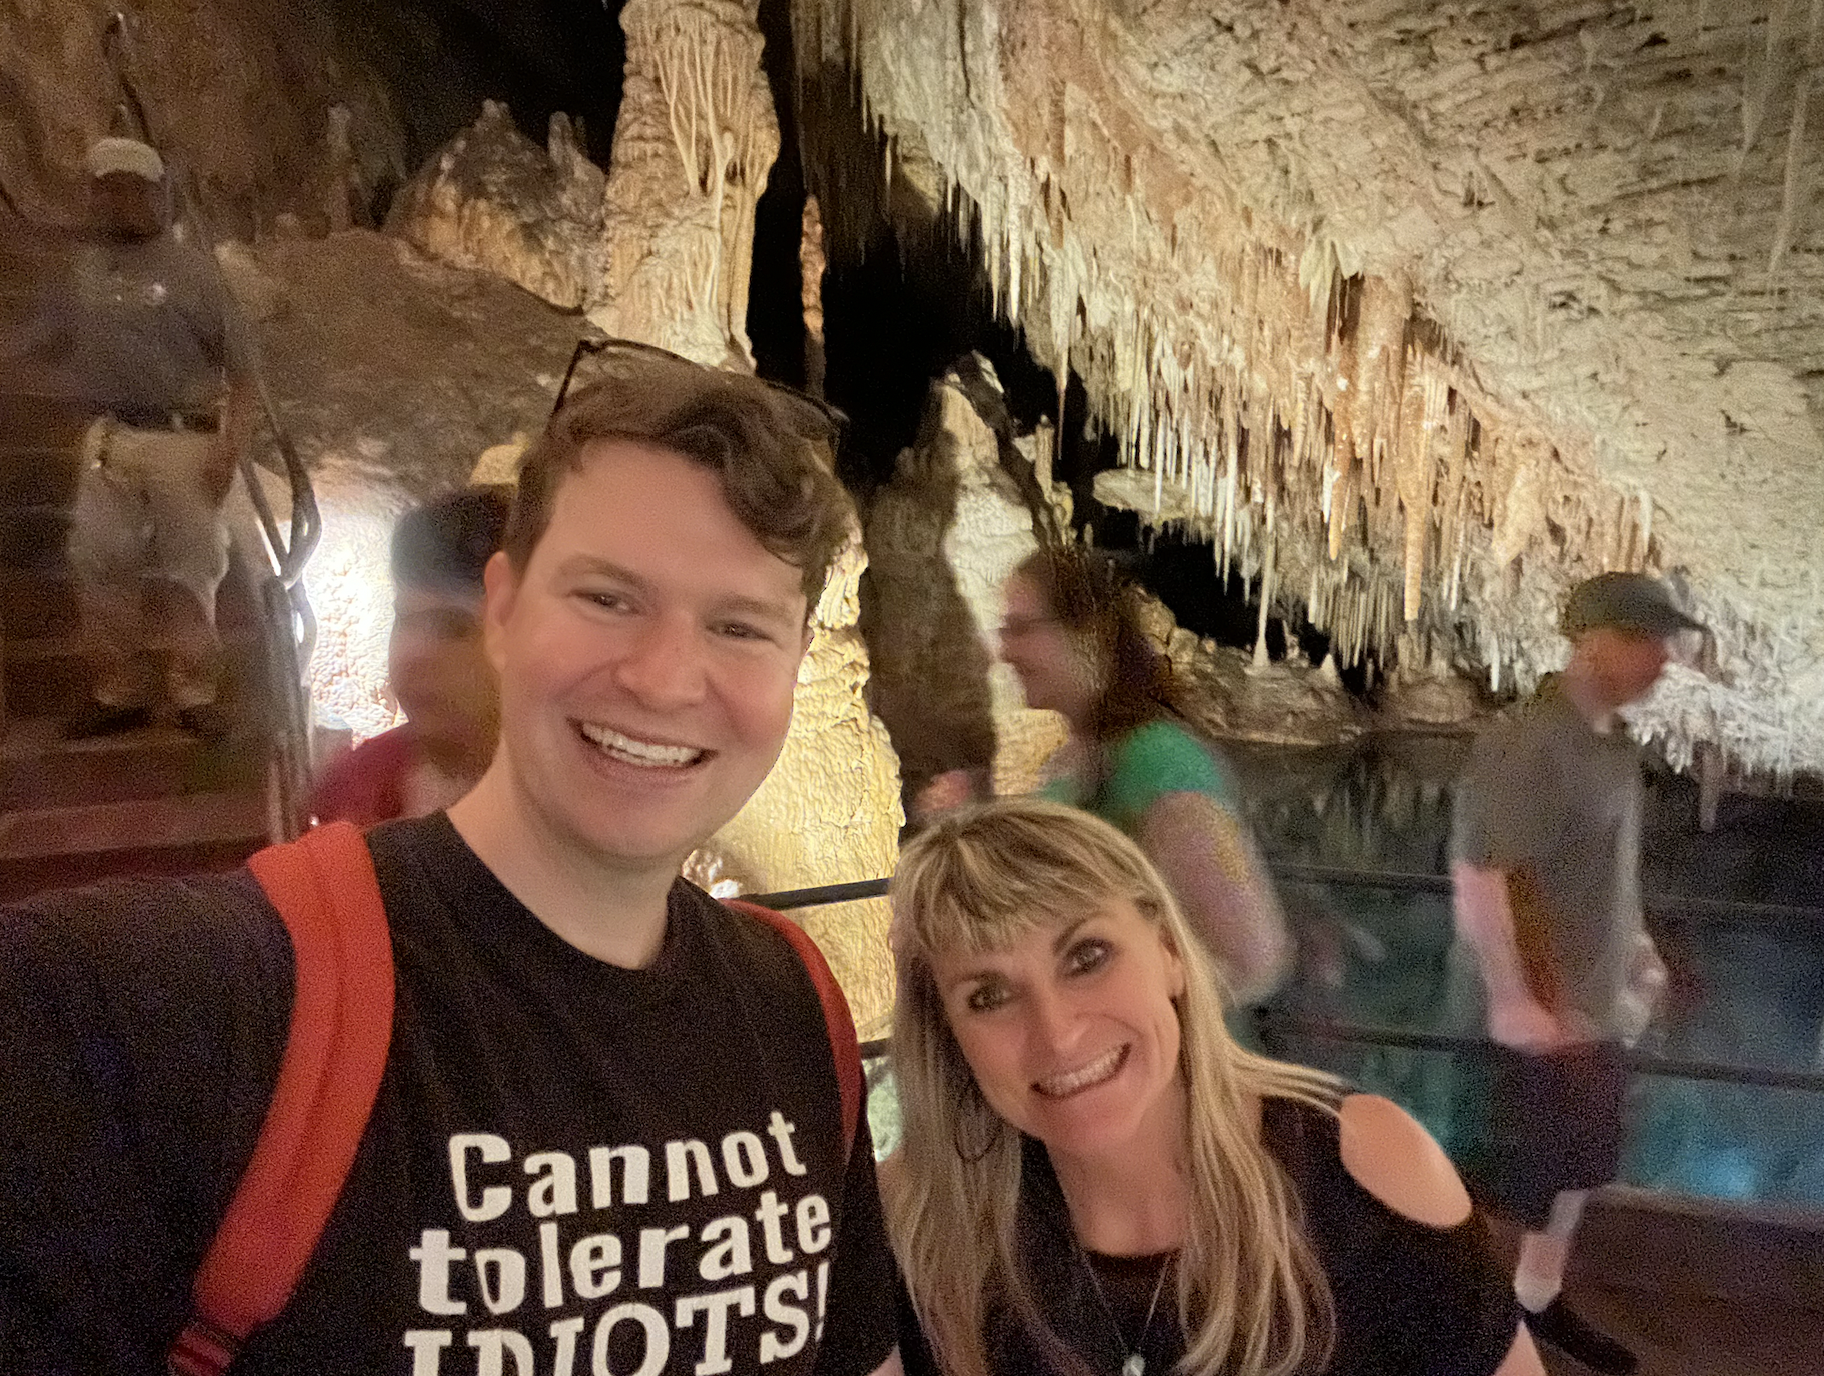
(1251, 1296)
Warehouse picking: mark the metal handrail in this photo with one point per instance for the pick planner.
(1287, 873)
(1641, 1063)
(1328, 1029)
(289, 622)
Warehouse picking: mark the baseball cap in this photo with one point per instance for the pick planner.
(1626, 601)
(111, 155)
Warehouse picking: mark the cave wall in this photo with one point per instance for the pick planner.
(942, 537)
(1419, 314)
(391, 373)
(239, 93)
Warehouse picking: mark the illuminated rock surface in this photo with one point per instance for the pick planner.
(1419, 313)
(494, 200)
(694, 141)
(391, 373)
(942, 538)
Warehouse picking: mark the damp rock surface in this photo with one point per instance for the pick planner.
(391, 374)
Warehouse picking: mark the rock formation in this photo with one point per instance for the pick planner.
(239, 91)
(942, 538)
(1418, 315)
(494, 200)
(693, 143)
(829, 812)
(391, 374)
(694, 140)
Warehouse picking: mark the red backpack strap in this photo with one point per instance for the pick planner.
(341, 1028)
(843, 1042)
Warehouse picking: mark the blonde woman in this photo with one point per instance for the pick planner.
(1096, 1179)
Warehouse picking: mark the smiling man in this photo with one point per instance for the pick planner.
(609, 1135)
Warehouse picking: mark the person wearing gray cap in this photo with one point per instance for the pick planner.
(155, 341)
(1545, 857)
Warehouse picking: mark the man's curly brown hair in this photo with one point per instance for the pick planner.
(763, 446)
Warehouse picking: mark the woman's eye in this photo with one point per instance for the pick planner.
(985, 998)
(1086, 956)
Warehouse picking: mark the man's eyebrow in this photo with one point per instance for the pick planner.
(740, 604)
(768, 607)
(578, 564)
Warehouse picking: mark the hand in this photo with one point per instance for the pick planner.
(1642, 992)
(1646, 971)
(1524, 1024)
(945, 793)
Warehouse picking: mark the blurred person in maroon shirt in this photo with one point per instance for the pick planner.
(436, 665)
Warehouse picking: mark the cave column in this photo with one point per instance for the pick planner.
(694, 141)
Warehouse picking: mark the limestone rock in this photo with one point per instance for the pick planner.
(694, 140)
(829, 811)
(241, 93)
(391, 374)
(494, 201)
(1230, 694)
(1428, 692)
(943, 536)
(1420, 315)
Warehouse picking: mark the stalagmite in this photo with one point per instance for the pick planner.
(693, 143)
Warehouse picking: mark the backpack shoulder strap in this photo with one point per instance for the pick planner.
(324, 888)
(843, 1043)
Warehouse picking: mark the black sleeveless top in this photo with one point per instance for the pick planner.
(1409, 1299)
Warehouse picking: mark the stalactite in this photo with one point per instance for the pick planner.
(811, 267)
(1267, 390)
(1793, 190)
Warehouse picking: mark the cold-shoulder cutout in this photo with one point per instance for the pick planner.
(1389, 1154)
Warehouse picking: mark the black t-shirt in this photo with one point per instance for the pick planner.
(570, 1168)
(1407, 1298)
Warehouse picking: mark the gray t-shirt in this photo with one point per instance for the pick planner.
(152, 328)
(1548, 797)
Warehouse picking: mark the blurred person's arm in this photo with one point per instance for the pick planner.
(1215, 873)
(1644, 988)
(1483, 910)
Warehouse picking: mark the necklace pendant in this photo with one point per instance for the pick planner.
(1135, 1365)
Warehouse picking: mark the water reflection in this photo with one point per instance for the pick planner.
(1748, 983)
(1377, 953)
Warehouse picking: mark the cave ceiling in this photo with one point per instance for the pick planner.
(1418, 312)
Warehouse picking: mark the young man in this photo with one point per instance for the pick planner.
(1546, 871)
(609, 1136)
(159, 355)
(437, 667)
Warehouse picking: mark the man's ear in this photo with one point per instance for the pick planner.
(500, 585)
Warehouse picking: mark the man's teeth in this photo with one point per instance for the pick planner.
(1098, 1070)
(641, 752)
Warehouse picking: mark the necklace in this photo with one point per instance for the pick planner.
(1133, 1361)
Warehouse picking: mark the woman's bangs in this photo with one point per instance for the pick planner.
(981, 899)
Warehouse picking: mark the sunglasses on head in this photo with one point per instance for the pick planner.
(628, 359)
